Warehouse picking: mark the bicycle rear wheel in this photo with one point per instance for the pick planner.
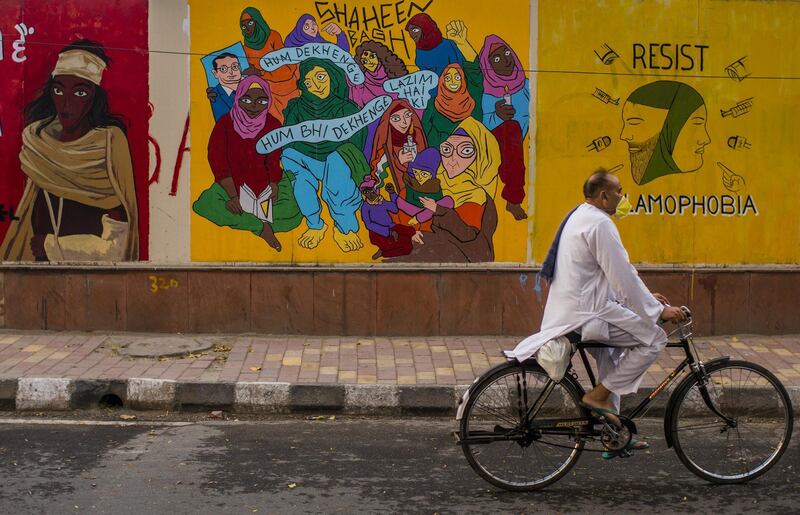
(722, 452)
(497, 406)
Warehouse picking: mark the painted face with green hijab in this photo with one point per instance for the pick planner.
(664, 125)
(254, 29)
(323, 96)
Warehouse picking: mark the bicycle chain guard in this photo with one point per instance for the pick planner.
(616, 440)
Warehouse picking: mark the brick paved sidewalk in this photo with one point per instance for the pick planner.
(345, 360)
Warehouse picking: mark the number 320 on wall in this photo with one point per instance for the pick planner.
(161, 283)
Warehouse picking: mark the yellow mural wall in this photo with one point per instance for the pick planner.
(215, 25)
(728, 196)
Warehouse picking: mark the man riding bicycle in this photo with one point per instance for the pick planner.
(596, 292)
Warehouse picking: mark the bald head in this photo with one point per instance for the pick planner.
(598, 182)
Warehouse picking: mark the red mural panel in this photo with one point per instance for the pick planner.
(121, 28)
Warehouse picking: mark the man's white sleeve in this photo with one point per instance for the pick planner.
(606, 245)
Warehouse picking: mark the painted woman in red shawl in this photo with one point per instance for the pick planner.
(399, 137)
(249, 191)
(433, 52)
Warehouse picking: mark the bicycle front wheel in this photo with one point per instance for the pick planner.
(500, 445)
(760, 414)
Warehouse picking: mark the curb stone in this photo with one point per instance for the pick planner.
(262, 397)
(43, 393)
(155, 394)
(60, 394)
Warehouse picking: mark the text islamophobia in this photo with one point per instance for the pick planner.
(694, 205)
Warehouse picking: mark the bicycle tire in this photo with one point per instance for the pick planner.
(771, 420)
(570, 391)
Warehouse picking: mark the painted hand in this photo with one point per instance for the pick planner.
(211, 93)
(390, 188)
(275, 190)
(405, 156)
(37, 245)
(394, 235)
(417, 238)
(457, 31)
(234, 206)
(429, 204)
(504, 111)
(332, 29)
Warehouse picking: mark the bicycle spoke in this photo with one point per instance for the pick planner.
(499, 414)
(709, 425)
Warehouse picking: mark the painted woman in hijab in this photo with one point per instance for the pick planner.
(421, 181)
(433, 52)
(506, 99)
(334, 165)
(454, 102)
(399, 137)
(664, 125)
(306, 30)
(463, 234)
(260, 39)
(379, 64)
(79, 202)
(249, 191)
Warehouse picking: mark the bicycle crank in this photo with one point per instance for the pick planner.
(617, 439)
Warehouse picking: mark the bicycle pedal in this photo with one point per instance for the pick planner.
(625, 454)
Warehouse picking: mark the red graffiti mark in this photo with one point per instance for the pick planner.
(156, 148)
(157, 171)
(182, 149)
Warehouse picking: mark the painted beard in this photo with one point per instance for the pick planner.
(640, 159)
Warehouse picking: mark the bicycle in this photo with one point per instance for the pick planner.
(522, 431)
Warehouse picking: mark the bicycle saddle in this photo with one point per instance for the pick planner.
(575, 338)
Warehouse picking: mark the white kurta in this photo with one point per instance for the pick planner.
(595, 286)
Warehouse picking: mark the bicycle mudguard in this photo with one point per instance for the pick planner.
(683, 384)
(462, 402)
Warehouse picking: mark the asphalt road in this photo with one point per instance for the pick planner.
(347, 465)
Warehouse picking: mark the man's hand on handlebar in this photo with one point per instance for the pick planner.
(673, 314)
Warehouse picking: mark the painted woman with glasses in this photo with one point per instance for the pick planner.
(463, 234)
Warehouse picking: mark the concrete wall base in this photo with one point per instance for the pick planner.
(361, 303)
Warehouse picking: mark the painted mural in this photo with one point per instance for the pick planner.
(74, 136)
(389, 132)
(399, 132)
(690, 115)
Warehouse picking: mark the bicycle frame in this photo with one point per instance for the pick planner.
(690, 361)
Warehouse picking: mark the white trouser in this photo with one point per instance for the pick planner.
(621, 369)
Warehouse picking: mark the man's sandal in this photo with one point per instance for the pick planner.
(609, 414)
(633, 445)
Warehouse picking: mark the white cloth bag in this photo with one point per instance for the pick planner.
(554, 357)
